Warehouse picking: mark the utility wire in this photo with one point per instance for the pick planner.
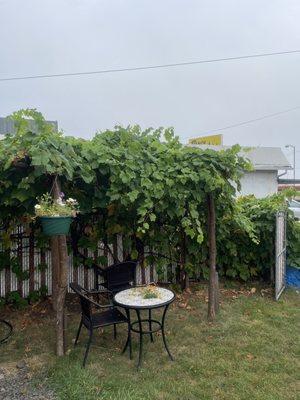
(106, 71)
(250, 121)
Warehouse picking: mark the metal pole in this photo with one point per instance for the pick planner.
(294, 166)
(294, 159)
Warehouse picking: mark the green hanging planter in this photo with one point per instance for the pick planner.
(53, 226)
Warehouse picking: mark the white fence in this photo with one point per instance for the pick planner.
(30, 258)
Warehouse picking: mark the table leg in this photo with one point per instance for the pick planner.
(141, 338)
(150, 325)
(163, 332)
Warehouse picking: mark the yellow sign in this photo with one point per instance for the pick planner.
(213, 139)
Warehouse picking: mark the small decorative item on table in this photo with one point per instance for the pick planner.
(150, 292)
(56, 215)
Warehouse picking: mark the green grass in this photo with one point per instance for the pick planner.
(251, 352)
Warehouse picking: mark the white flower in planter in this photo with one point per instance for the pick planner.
(48, 207)
(71, 201)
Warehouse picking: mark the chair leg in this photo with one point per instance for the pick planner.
(128, 341)
(78, 333)
(115, 331)
(88, 347)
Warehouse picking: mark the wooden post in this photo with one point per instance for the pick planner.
(55, 269)
(59, 255)
(213, 295)
(184, 277)
(61, 296)
(217, 296)
(141, 257)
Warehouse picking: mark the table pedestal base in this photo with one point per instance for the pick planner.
(137, 327)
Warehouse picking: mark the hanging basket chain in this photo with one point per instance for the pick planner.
(55, 181)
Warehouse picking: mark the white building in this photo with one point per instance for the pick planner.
(7, 125)
(267, 162)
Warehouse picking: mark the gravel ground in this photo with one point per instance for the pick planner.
(17, 385)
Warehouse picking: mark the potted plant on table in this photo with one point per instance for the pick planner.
(56, 215)
(150, 292)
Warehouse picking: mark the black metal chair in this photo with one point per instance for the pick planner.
(91, 320)
(117, 277)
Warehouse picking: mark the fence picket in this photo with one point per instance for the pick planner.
(30, 257)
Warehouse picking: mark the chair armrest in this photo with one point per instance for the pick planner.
(104, 305)
(94, 291)
(94, 303)
(105, 294)
(103, 291)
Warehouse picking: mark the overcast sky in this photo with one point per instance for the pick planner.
(58, 36)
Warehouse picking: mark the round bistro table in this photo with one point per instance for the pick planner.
(133, 299)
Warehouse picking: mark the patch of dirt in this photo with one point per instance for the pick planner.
(36, 313)
(16, 384)
(184, 299)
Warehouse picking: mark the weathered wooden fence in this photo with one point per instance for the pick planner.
(37, 263)
(31, 258)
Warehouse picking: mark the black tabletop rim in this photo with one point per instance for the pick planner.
(136, 307)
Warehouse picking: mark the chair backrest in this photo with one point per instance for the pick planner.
(85, 302)
(122, 274)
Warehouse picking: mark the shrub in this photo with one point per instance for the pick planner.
(249, 252)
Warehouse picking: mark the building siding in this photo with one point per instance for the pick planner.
(259, 183)
(7, 125)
